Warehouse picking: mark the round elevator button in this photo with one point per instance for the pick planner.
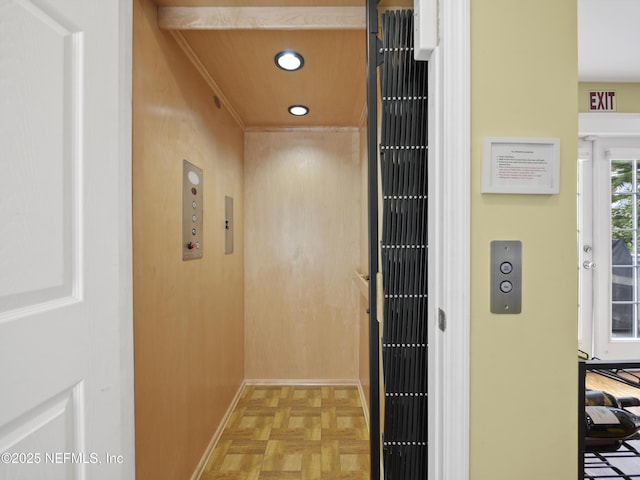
(506, 268)
(506, 286)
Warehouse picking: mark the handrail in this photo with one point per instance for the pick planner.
(362, 280)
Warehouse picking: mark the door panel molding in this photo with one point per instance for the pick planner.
(65, 405)
(41, 191)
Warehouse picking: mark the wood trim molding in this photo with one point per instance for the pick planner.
(188, 51)
(302, 382)
(263, 18)
(218, 434)
(301, 129)
(361, 280)
(363, 117)
(365, 406)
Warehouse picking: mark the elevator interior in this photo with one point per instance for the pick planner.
(287, 305)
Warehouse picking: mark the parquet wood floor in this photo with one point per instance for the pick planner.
(617, 389)
(293, 433)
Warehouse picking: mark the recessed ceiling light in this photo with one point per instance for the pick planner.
(298, 110)
(289, 60)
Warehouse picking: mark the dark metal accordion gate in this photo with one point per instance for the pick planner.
(403, 163)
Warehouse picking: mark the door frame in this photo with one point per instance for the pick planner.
(450, 210)
(585, 246)
(124, 300)
(450, 244)
(595, 126)
(608, 124)
(125, 287)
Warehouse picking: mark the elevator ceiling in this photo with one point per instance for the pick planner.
(234, 44)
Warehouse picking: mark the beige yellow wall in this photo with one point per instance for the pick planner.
(302, 207)
(188, 316)
(523, 367)
(627, 95)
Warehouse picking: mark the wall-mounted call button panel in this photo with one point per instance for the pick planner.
(506, 276)
(192, 200)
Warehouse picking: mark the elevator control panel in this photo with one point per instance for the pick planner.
(192, 200)
(506, 276)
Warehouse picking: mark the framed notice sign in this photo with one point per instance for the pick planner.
(521, 165)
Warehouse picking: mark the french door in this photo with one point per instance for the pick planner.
(609, 246)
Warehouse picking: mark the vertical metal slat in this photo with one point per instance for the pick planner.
(403, 156)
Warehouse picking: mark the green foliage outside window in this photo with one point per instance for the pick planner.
(624, 202)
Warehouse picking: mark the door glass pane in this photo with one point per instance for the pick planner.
(624, 257)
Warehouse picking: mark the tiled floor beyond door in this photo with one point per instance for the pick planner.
(293, 433)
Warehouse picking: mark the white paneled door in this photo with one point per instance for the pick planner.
(65, 257)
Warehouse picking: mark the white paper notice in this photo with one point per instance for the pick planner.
(522, 165)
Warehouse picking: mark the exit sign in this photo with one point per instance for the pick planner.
(602, 101)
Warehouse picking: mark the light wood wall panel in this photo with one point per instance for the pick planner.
(302, 216)
(188, 316)
(363, 267)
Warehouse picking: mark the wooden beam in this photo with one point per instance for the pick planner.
(261, 18)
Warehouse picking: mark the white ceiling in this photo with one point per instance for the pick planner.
(609, 40)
